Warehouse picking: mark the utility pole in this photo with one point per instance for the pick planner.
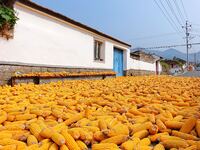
(187, 34)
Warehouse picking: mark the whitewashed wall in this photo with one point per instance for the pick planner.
(141, 65)
(42, 40)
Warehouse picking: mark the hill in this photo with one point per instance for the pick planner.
(170, 53)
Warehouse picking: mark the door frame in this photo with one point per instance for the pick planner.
(119, 49)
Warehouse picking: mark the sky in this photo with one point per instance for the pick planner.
(138, 22)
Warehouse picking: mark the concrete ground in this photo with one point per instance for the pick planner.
(191, 74)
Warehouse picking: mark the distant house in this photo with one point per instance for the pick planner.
(176, 65)
(142, 63)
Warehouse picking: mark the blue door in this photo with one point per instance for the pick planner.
(118, 62)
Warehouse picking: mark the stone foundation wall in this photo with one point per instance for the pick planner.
(133, 72)
(8, 70)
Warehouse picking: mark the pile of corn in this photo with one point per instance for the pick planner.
(128, 113)
(63, 74)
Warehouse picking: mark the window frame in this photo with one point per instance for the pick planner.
(100, 52)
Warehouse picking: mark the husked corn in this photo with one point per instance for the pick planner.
(128, 113)
(70, 142)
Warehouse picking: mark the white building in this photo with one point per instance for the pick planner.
(48, 41)
(142, 63)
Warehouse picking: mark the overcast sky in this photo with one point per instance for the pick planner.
(138, 22)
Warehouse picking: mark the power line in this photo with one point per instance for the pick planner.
(184, 10)
(170, 20)
(170, 46)
(179, 10)
(173, 11)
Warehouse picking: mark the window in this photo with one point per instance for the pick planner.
(98, 51)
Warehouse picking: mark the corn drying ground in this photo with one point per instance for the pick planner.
(129, 113)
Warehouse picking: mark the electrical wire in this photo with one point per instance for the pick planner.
(184, 10)
(170, 46)
(173, 12)
(170, 20)
(179, 11)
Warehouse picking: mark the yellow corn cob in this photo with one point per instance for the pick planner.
(118, 139)
(143, 147)
(118, 129)
(9, 147)
(51, 123)
(59, 127)
(129, 145)
(53, 147)
(193, 147)
(152, 118)
(15, 127)
(32, 140)
(141, 119)
(188, 125)
(35, 130)
(70, 142)
(58, 138)
(64, 147)
(46, 133)
(74, 132)
(160, 124)
(91, 128)
(41, 124)
(57, 113)
(99, 136)
(3, 116)
(102, 125)
(6, 141)
(73, 119)
(145, 141)
(85, 135)
(36, 112)
(167, 137)
(33, 147)
(4, 134)
(174, 144)
(173, 124)
(136, 112)
(21, 136)
(106, 146)
(82, 145)
(178, 118)
(153, 129)
(45, 145)
(197, 127)
(51, 117)
(159, 147)
(139, 127)
(140, 134)
(10, 117)
(184, 135)
(83, 122)
(25, 117)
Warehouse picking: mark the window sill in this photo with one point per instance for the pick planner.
(99, 61)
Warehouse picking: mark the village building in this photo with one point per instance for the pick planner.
(46, 41)
(175, 66)
(143, 63)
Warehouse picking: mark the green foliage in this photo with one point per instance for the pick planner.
(164, 64)
(7, 17)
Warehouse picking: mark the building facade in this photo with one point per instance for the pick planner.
(46, 41)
